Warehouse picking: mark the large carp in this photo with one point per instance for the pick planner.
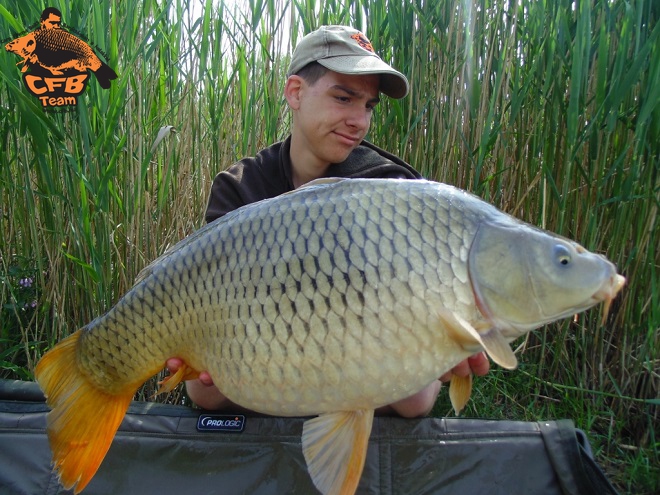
(331, 300)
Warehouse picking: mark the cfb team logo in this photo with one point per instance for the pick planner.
(56, 64)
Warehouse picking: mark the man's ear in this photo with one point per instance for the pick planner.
(292, 89)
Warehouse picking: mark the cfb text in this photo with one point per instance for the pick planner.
(73, 85)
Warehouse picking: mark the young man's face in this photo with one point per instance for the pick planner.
(53, 22)
(332, 116)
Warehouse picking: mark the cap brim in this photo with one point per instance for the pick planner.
(392, 82)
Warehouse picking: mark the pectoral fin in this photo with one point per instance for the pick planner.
(499, 349)
(335, 448)
(491, 340)
(460, 389)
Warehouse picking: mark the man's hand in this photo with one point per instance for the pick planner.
(422, 402)
(173, 365)
(477, 365)
(201, 391)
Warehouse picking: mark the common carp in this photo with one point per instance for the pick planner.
(57, 50)
(331, 300)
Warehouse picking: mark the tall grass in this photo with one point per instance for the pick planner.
(549, 109)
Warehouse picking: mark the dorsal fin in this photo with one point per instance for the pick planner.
(323, 181)
(171, 251)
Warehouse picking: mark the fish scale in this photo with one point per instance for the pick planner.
(334, 299)
(59, 46)
(334, 264)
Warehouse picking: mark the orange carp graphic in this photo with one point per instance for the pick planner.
(52, 51)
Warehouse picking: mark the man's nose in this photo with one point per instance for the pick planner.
(359, 118)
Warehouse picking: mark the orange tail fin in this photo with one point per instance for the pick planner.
(83, 419)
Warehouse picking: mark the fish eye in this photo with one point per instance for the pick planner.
(562, 255)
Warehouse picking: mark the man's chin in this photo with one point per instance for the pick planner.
(341, 153)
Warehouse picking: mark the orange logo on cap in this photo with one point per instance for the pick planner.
(363, 42)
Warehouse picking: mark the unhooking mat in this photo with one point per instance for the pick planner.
(164, 449)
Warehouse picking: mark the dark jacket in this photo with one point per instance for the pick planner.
(268, 174)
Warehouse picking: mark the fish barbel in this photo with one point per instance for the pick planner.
(331, 300)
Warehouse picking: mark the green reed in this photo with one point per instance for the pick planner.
(547, 108)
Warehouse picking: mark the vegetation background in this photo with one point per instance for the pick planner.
(550, 109)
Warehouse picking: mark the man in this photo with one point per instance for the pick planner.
(51, 18)
(333, 86)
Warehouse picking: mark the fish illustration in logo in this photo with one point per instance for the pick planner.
(52, 48)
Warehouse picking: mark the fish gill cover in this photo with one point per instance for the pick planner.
(56, 63)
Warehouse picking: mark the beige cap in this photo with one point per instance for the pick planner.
(347, 51)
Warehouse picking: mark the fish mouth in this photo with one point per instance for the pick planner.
(608, 292)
